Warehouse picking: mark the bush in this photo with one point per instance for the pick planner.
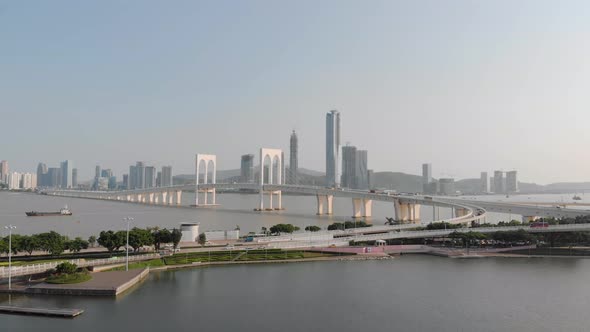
(66, 268)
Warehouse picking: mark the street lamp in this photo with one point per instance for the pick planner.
(10, 228)
(128, 220)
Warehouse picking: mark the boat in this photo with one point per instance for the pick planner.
(62, 212)
(577, 198)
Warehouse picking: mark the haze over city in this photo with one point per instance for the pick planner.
(466, 86)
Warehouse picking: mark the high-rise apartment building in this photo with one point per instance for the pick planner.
(74, 178)
(106, 173)
(150, 177)
(362, 170)
(348, 166)
(333, 149)
(426, 173)
(13, 180)
(293, 161)
(66, 173)
(499, 182)
(247, 168)
(483, 183)
(166, 177)
(511, 182)
(41, 175)
(4, 171)
(53, 177)
(429, 186)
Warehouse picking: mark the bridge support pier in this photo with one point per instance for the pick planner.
(368, 208)
(407, 211)
(329, 200)
(178, 197)
(362, 207)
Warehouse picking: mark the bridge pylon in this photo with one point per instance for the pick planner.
(203, 162)
(275, 157)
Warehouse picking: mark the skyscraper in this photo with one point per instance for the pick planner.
(483, 182)
(362, 171)
(150, 177)
(66, 174)
(74, 177)
(426, 173)
(499, 182)
(511, 182)
(166, 178)
(139, 175)
(106, 173)
(348, 166)
(293, 162)
(132, 178)
(333, 149)
(4, 171)
(247, 168)
(53, 177)
(429, 186)
(41, 175)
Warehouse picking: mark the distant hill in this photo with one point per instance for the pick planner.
(401, 182)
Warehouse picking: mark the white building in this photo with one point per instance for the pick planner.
(13, 180)
(222, 235)
(190, 232)
(28, 181)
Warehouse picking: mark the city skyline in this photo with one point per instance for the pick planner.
(406, 95)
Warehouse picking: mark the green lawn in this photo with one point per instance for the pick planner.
(140, 265)
(74, 278)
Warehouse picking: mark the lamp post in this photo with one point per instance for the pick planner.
(10, 228)
(128, 220)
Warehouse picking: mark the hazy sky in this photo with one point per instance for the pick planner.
(466, 85)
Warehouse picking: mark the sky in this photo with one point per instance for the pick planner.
(468, 86)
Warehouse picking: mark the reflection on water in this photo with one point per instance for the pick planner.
(410, 293)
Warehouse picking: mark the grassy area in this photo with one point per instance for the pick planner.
(140, 265)
(74, 278)
(224, 256)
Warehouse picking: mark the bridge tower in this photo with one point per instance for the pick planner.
(274, 177)
(206, 162)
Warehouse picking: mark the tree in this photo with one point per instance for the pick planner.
(139, 237)
(202, 239)
(283, 228)
(52, 242)
(29, 243)
(313, 228)
(77, 244)
(92, 241)
(161, 236)
(175, 236)
(110, 240)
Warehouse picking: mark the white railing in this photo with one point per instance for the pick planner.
(24, 270)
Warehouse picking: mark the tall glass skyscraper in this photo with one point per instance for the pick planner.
(66, 174)
(333, 149)
(293, 163)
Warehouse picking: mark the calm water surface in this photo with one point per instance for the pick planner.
(411, 293)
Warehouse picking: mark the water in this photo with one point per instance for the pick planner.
(92, 216)
(411, 293)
